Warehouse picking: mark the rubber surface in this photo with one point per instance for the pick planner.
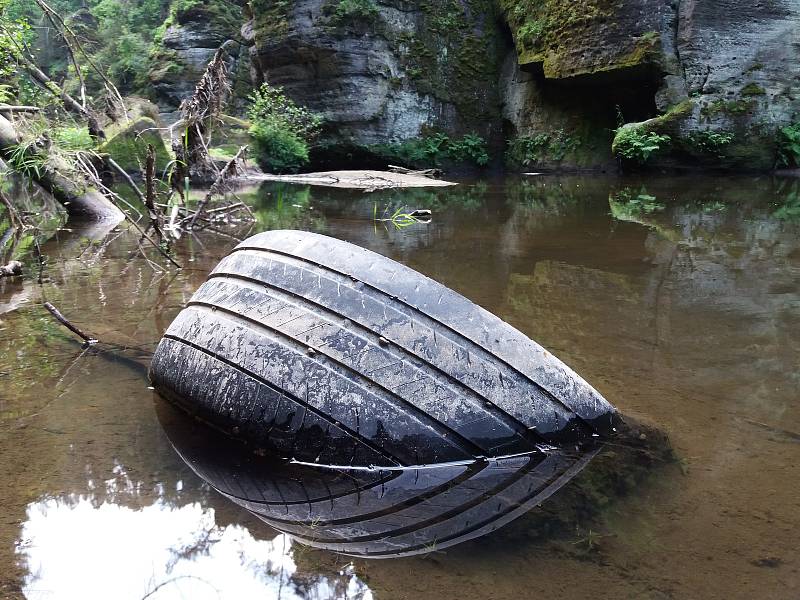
(322, 351)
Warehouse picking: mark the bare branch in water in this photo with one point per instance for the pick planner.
(63, 320)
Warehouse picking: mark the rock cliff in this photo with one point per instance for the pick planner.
(383, 72)
(553, 78)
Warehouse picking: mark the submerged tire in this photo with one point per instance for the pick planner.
(326, 352)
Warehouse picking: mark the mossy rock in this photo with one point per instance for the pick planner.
(589, 39)
(129, 147)
(699, 138)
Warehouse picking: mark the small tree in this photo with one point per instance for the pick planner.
(281, 130)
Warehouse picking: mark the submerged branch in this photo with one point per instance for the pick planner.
(63, 320)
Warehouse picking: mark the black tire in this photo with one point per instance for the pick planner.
(325, 352)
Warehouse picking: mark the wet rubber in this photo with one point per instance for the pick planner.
(321, 351)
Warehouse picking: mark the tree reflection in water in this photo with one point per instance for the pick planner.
(169, 551)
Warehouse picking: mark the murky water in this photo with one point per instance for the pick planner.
(679, 299)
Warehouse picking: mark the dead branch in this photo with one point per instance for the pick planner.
(63, 320)
(26, 60)
(13, 216)
(127, 178)
(231, 170)
(199, 114)
(20, 109)
(76, 196)
(150, 190)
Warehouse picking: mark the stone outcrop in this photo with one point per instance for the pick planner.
(719, 78)
(383, 72)
(191, 36)
(555, 78)
(128, 145)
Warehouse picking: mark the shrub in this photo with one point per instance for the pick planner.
(634, 143)
(433, 148)
(471, 147)
(281, 130)
(789, 145)
(278, 150)
(531, 149)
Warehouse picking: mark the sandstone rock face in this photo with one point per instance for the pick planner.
(719, 77)
(383, 72)
(590, 38)
(555, 78)
(189, 42)
(740, 62)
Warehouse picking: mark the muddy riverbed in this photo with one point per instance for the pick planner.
(678, 299)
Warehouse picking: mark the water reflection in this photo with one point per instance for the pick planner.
(375, 513)
(160, 551)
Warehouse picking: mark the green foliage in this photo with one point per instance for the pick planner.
(14, 32)
(789, 145)
(354, 10)
(281, 130)
(6, 93)
(470, 148)
(637, 144)
(24, 159)
(530, 32)
(711, 142)
(73, 138)
(278, 150)
(531, 149)
(753, 89)
(436, 148)
(125, 39)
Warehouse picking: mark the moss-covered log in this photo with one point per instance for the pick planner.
(78, 198)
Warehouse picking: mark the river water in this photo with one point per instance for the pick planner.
(677, 298)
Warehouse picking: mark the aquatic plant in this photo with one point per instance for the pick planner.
(436, 148)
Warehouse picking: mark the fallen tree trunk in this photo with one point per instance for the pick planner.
(79, 199)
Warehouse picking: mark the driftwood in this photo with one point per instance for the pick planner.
(150, 190)
(431, 173)
(79, 199)
(13, 214)
(231, 170)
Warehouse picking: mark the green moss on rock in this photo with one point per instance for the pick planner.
(271, 20)
(753, 89)
(129, 146)
(571, 38)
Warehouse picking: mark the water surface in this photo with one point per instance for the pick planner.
(679, 299)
